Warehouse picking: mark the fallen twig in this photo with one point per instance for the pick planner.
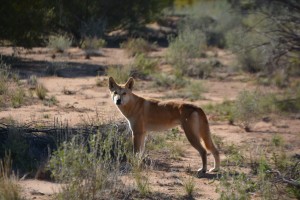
(283, 179)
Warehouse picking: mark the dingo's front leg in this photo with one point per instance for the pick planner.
(138, 137)
(138, 142)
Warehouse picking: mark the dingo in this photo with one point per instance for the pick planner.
(153, 115)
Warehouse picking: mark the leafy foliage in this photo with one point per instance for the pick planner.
(27, 23)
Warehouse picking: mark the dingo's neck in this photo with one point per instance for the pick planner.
(135, 103)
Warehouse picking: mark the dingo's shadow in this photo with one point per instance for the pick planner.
(212, 175)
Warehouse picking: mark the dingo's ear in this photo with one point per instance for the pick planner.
(129, 83)
(112, 84)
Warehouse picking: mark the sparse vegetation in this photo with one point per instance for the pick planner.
(91, 166)
(50, 101)
(92, 45)
(59, 43)
(12, 93)
(143, 65)
(9, 189)
(259, 39)
(169, 81)
(120, 74)
(137, 46)
(189, 186)
(234, 155)
(235, 186)
(41, 91)
(4, 76)
(247, 108)
(194, 91)
(18, 97)
(184, 49)
(32, 81)
(140, 176)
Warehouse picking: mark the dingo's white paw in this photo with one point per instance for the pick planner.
(214, 169)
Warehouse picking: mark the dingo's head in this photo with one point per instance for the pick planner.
(121, 94)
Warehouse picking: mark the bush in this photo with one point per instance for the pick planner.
(41, 91)
(141, 180)
(9, 189)
(213, 18)
(119, 73)
(137, 46)
(194, 91)
(94, 161)
(4, 76)
(17, 97)
(187, 46)
(59, 43)
(189, 186)
(91, 45)
(235, 186)
(169, 81)
(143, 65)
(200, 69)
(251, 55)
(247, 108)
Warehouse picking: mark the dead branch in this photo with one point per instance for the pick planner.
(283, 179)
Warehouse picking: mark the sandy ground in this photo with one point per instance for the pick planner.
(81, 101)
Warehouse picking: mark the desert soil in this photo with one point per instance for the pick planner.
(80, 100)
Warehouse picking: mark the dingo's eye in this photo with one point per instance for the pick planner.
(115, 92)
(124, 93)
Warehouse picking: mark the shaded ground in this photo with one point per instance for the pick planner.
(80, 100)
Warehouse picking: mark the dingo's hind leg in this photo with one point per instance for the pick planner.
(209, 145)
(190, 125)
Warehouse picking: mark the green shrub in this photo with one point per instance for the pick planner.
(213, 18)
(41, 91)
(156, 142)
(3, 87)
(176, 151)
(224, 111)
(94, 162)
(187, 46)
(9, 189)
(4, 76)
(119, 73)
(235, 186)
(93, 43)
(194, 91)
(137, 46)
(143, 66)
(247, 108)
(199, 69)
(50, 101)
(280, 78)
(140, 177)
(169, 81)
(277, 140)
(253, 48)
(189, 186)
(234, 155)
(59, 43)
(18, 97)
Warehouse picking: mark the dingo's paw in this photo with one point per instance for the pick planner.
(201, 172)
(214, 169)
